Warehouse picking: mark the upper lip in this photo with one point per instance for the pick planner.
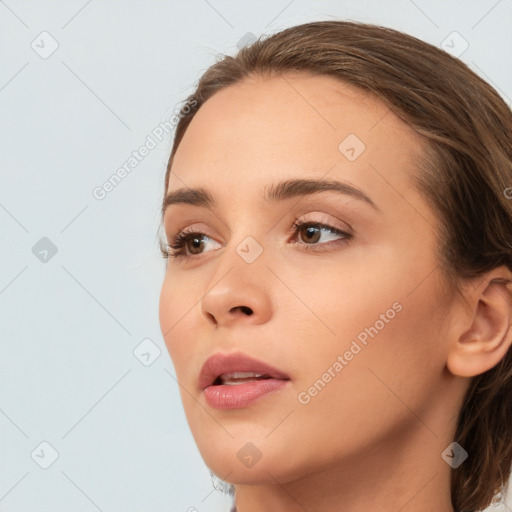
(218, 364)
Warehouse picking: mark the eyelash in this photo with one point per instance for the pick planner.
(177, 249)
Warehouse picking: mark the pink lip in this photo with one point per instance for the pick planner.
(239, 395)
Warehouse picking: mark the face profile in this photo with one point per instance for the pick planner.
(323, 355)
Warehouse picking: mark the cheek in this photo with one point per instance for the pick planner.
(392, 364)
(379, 325)
(175, 314)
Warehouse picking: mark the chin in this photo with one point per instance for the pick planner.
(239, 461)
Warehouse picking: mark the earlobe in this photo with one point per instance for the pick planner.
(482, 344)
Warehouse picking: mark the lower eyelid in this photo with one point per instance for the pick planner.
(344, 238)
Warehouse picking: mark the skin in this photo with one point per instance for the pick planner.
(372, 438)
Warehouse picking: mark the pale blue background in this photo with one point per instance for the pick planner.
(69, 326)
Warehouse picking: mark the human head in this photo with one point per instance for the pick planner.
(463, 172)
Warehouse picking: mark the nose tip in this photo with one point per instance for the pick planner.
(241, 296)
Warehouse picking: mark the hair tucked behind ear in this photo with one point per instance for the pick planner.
(465, 174)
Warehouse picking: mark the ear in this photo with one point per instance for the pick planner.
(483, 333)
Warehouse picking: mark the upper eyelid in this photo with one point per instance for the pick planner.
(187, 231)
(322, 218)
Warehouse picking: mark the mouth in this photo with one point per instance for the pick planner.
(232, 381)
(235, 369)
(236, 378)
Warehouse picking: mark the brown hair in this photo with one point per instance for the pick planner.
(465, 174)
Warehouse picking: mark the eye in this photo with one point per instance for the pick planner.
(311, 231)
(189, 243)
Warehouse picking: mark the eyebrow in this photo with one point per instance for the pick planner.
(276, 192)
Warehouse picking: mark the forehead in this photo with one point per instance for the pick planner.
(281, 112)
(267, 129)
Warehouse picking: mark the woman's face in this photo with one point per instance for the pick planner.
(354, 321)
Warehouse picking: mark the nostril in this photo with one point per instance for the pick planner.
(245, 309)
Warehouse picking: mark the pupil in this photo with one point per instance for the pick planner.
(196, 242)
(311, 230)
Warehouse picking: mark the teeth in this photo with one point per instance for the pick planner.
(239, 377)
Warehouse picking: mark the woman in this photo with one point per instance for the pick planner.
(337, 299)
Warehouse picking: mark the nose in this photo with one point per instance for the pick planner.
(238, 295)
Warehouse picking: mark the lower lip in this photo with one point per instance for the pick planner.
(236, 396)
